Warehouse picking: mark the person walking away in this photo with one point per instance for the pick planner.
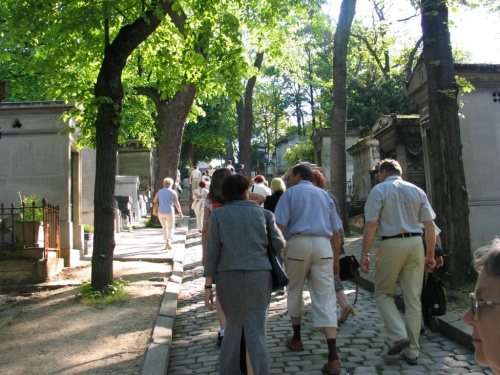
(199, 196)
(167, 199)
(207, 178)
(307, 217)
(213, 201)
(484, 312)
(241, 169)
(395, 210)
(259, 186)
(277, 189)
(194, 178)
(178, 185)
(237, 256)
(347, 309)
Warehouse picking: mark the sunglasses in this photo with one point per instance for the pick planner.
(474, 304)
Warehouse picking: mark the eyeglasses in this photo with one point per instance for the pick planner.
(474, 304)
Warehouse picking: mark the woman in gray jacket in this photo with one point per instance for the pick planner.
(237, 253)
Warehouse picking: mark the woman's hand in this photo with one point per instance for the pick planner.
(209, 299)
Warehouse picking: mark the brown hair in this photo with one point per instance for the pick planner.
(234, 187)
(391, 166)
(214, 193)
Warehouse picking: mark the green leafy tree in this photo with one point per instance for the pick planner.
(303, 151)
(82, 49)
(205, 139)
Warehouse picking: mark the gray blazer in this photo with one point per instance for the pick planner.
(237, 238)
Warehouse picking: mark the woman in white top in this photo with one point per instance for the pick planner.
(199, 196)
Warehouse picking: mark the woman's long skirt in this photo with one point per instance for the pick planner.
(244, 297)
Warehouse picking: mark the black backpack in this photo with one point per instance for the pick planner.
(433, 296)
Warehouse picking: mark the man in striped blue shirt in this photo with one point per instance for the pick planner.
(395, 210)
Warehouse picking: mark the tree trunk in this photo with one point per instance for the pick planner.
(337, 151)
(4, 90)
(244, 111)
(174, 121)
(109, 96)
(171, 119)
(449, 194)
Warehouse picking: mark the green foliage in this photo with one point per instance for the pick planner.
(112, 293)
(87, 228)
(371, 95)
(32, 208)
(450, 93)
(464, 85)
(302, 151)
(209, 132)
(152, 224)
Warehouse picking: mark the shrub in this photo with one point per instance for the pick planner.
(152, 224)
(87, 228)
(112, 293)
(33, 209)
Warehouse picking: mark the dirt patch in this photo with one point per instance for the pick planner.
(51, 332)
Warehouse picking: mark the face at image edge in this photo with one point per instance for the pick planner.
(486, 338)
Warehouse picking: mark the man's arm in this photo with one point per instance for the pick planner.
(335, 240)
(282, 228)
(430, 243)
(368, 238)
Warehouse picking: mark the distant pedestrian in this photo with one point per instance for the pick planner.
(277, 189)
(259, 186)
(167, 199)
(241, 169)
(396, 210)
(194, 178)
(199, 196)
(237, 256)
(307, 217)
(484, 312)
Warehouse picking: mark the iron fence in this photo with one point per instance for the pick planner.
(30, 227)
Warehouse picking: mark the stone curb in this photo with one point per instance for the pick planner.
(158, 353)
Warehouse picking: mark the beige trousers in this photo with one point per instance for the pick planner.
(311, 258)
(401, 258)
(167, 222)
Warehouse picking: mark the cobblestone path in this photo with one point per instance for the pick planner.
(362, 341)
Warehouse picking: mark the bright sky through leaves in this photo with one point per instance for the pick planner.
(473, 30)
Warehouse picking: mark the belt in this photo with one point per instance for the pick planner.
(402, 235)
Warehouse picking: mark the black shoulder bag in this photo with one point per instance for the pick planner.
(280, 279)
(433, 296)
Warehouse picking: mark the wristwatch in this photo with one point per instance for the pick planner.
(208, 287)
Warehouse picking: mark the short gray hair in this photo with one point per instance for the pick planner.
(168, 182)
(487, 258)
